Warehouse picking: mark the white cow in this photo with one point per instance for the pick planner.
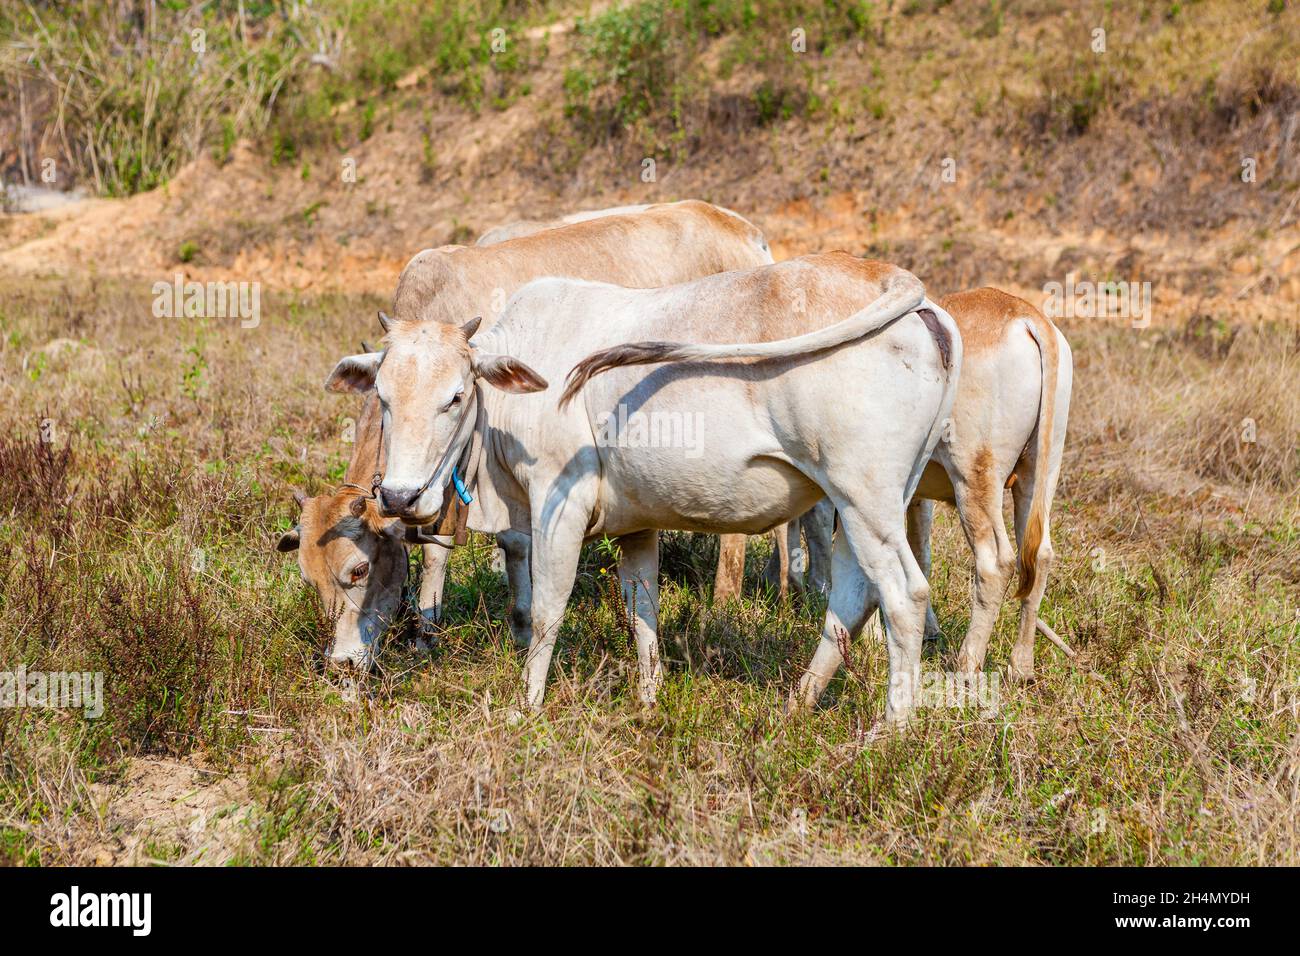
(841, 389)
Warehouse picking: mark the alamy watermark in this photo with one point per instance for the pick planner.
(1098, 300)
(208, 300)
(624, 429)
(955, 690)
(55, 690)
(133, 911)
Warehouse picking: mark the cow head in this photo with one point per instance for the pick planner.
(425, 379)
(357, 563)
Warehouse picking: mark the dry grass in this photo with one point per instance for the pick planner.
(1175, 741)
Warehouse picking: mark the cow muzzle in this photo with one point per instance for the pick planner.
(398, 502)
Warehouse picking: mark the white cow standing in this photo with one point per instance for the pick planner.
(842, 391)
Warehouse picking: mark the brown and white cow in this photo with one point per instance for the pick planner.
(350, 558)
(839, 387)
(1007, 431)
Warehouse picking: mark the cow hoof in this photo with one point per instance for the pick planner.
(1020, 675)
(518, 716)
(521, 628)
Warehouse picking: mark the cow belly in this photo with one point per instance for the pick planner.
(715, 495)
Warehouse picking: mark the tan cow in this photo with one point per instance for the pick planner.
(355, 559)
(349, 557)
(1008, 430)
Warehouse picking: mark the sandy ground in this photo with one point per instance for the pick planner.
(166, 811)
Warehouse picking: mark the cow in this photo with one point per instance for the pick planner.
(1007, 431)
(347, 549)
(825, 375)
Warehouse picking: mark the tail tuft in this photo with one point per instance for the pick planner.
(1027, 566)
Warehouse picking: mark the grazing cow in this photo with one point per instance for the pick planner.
(355, 559)
(1008, 431)
(347, 549)
(848, 373)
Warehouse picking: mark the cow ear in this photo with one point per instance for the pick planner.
(300, 497)
(355, 373)
(508, 374)
(289, 541)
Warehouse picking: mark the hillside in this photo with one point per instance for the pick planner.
(975, 142)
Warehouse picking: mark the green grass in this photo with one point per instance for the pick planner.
(130, 99)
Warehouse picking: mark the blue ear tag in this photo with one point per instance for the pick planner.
(459, 485)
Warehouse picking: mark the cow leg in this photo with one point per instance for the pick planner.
(818, 529)
(920, 518)
(851, 599)
(796, 558)
(1022, 654)
(883, 559)
(638, 573)
(554, 565)
(519, 615)
(433, 579)
(731, 567)
(903, 593)
(979, 506)
(779, 572)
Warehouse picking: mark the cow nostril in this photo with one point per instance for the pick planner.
(395, 501)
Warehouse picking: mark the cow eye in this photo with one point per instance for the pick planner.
(455, 400)
(360, 571)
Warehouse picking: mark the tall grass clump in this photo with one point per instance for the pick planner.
(644, 71)
(124, 93)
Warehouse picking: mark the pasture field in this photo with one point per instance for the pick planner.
(308, 150)
(138, 542)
